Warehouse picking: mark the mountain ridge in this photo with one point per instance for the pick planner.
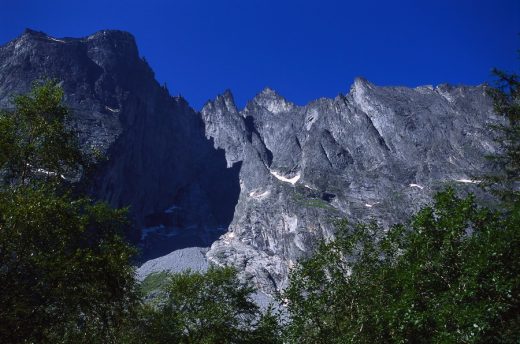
(260, 184)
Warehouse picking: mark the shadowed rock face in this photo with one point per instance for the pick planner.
(271, 177)
(157, 155)
(375, 153)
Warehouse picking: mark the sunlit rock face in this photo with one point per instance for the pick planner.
(376, 153)
(261, 185)
(158, 160)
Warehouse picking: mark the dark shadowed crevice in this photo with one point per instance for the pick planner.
(266, 154)
(199, 213)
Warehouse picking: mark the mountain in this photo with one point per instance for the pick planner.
(377, 153)
(263, 184)
(158, 160)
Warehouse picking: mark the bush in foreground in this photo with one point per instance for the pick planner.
(452, 275)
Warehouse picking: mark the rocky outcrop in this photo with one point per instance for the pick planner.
(158, 161)
(377, 153)
(267, 181)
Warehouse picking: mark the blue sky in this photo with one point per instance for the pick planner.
(303, 49)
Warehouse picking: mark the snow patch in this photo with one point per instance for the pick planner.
(56, 40)
(259, 195)
(416, 186)
(112, 109)
(368, 205)
(470, 181)
(292, 180)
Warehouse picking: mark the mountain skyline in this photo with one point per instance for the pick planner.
(258, 187)
(199, 49)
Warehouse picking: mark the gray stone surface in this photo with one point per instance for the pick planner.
(266, 181)
(191, 258)
(157, 155)
(376, 153)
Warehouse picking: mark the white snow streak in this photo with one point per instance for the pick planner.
(111, 109)
(56, 40)
(468, 181)
(416, 186)
(292, 180)
(257, 195)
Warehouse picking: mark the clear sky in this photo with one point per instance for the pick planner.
(303, 49)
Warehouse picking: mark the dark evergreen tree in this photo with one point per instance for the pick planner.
(506, 98)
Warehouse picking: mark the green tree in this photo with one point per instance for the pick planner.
(64, 266)
(36, 141)
(210, 307)
(452, 275)
(506, 100)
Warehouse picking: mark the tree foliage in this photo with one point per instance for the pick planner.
(452, 275)
(64, 266)
(36, 141)
(506, 99)
(211, 307)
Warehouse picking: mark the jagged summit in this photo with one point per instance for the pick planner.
(376, 153)
(268, 93)
(110, 34)
(224, 100)
(266, 180)
(228, 94)
(32, 32)
(361, 83)
(104, 32)
(272, 101)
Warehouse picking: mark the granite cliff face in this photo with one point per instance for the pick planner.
(158, 160)
(266, 181)
(377, 153)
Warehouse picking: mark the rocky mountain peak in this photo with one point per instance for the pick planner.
(121, 41)
(361, 85)
(34, 33)
(377, 153)
(158, 159)
(279, 173)
(227, 101)
(272, 101)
